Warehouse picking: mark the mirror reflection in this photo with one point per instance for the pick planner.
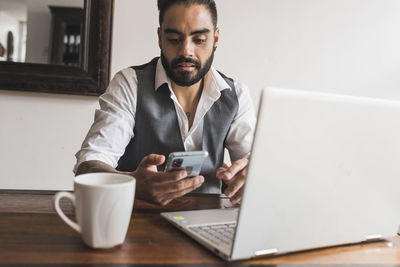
(41, 31)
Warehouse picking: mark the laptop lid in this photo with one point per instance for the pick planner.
(324, 170)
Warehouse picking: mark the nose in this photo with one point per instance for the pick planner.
(187, 48)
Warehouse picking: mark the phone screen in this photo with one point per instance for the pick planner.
(189, 161)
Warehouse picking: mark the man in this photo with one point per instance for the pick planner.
(174, 103)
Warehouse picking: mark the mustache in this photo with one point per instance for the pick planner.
(183, 59)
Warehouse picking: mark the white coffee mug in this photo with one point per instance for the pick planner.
(103, 207)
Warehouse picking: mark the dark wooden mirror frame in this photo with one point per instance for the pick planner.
(91, 78)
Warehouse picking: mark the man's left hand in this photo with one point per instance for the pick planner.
(234, 176)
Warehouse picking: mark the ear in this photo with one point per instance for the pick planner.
(159, 37)
(216, 37)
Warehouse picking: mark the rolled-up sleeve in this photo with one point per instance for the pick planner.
(113, 124)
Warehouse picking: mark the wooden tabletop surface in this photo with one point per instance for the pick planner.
(32, 233)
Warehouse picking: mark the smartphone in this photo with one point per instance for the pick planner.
(189, 161)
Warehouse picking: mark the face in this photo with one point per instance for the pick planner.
(187, 39)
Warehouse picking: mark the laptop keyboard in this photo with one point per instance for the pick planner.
(218, 234)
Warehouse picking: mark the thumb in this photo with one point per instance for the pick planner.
(151, 160)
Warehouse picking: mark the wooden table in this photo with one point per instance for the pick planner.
(32, 233)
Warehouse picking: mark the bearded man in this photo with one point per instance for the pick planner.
(177, 102)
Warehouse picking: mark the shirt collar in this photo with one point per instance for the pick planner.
(161, 76)
(214, 83)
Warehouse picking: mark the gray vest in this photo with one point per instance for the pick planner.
(157, 129)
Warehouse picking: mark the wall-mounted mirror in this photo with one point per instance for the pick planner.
(55, 46)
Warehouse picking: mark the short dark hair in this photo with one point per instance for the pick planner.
(163, 5)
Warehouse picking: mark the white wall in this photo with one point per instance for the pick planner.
(39, 136)
(347, 46)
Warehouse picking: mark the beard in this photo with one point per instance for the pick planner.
(186, 78)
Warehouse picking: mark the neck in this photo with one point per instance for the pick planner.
(188, 94)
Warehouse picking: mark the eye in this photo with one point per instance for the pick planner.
(173, 40)
(199, 40)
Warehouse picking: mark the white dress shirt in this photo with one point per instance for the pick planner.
(112, 129)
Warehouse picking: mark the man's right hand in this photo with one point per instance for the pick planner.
(162, 187)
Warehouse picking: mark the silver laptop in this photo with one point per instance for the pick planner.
(324, 171)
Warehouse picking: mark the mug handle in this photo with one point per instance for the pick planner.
(67, 220)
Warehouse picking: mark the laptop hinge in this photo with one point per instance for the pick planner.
(266, 251)
(375, 237)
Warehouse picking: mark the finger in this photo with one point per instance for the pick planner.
(236, 167)
(237, 197)
(235, 185)
(171, 196)
(173, 187)
(221, 170)
(152, 159)
(167, 177)
(165, 202)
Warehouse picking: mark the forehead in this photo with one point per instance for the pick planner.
(187, 18)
